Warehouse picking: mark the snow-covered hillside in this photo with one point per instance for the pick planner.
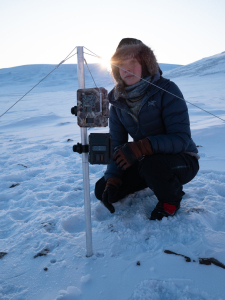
(207, 66)
(42, 228)
(64, 77)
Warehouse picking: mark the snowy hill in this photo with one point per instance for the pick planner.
(65, 75)
(207, 66)
(42, 227)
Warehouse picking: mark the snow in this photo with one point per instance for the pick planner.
(42, 216)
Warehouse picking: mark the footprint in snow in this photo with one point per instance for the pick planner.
(49, 226)
(74, 224)
(64, 188)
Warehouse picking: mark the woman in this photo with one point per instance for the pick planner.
(162, 155)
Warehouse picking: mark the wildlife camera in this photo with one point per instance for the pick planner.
(92, 110)
(92, 107)
(100, 148)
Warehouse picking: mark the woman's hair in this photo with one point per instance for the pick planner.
(132, 48)
(144, 68)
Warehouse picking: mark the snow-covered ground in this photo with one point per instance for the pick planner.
(42, 227)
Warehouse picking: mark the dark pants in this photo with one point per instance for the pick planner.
(164, 174)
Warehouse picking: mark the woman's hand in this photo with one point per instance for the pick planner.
(129, 153)
(111, 193)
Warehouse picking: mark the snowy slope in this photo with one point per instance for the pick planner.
(207, 66)
(64, 76)
(42, 226)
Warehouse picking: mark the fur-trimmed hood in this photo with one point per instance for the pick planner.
(127, 51)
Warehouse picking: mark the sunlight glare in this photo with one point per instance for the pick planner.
(105, 62)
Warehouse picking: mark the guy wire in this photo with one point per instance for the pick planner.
(90, 73)
(93, 53)
(67, 57)
(70, 53)
(160, 87)
(170, 93)
(41, 81)
(29, 91)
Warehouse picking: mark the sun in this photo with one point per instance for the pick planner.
(105, 63)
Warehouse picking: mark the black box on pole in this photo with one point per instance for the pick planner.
(100, 148)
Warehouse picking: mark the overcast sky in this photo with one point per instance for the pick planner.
(45, 31)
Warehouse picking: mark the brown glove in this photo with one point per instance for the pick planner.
(126, 155)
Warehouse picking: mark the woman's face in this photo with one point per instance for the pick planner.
(131, 65)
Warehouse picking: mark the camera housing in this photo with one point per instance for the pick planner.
(100, 148)
(92, 110)
(92, 107)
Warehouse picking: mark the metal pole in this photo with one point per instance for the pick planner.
(85, 164)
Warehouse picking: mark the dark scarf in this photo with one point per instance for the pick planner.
(136, 93)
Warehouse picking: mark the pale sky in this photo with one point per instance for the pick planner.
(45, 31)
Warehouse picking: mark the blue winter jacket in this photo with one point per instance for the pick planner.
(162, 118)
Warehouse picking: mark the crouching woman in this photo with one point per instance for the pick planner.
(162, 156)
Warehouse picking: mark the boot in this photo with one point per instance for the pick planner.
(164, 210)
